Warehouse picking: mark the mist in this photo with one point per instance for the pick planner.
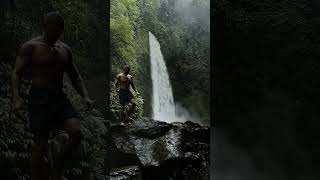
(196, 14)
(231, 162)
(183, 115)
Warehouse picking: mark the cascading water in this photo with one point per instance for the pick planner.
(163, 106)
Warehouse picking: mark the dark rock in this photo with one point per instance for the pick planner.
(149, 129)
(266, 91)
(127, 173)
(164, 150)
(122, 140)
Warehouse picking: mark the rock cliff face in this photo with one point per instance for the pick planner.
(266, 69)
(162, 150)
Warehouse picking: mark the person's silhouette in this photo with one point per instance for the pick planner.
(49, 108)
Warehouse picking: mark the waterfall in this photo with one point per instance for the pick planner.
(163, 106)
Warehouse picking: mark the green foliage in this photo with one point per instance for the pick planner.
(15, 139)
(77, 31)
(123, 19)
(95, 135)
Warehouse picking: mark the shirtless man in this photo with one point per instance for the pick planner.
(48, 106)
(124, 80)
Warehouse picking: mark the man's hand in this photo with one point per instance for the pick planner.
(89, 103)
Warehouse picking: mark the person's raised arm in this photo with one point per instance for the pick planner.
(132, 85)
(22, 60)
(76, 79)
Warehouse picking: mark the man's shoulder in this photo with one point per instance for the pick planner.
(31, 43)
(64, 45)
(28, 46)
(35, 41)
(119, 75)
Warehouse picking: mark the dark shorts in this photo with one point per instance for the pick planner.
(48, 110)
(125, 96)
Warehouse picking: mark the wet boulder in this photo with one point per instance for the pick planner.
(163, 150)
(126, 173)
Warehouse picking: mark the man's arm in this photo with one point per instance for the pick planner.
(117, 81)
(132, 85)
(75, 77)
(22, 60)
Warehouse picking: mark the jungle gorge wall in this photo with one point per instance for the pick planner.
(266, 82)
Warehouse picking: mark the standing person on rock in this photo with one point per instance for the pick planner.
(48, 106)
(125, 80)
